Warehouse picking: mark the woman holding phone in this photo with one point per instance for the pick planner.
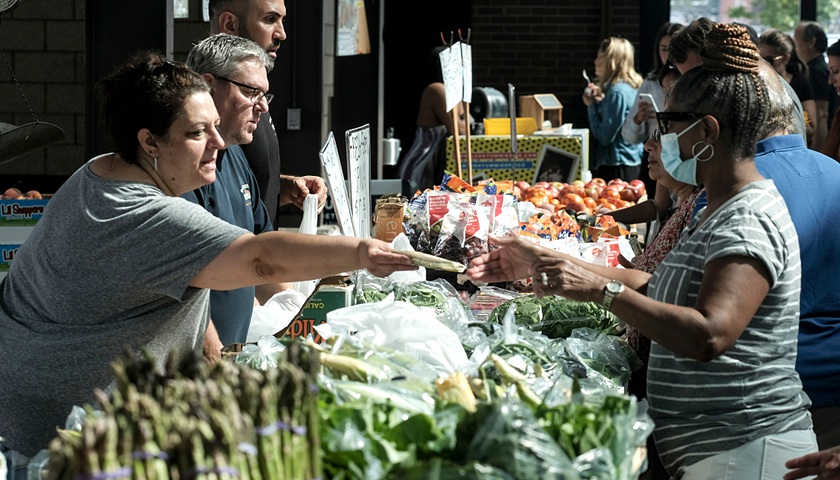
(608, 102)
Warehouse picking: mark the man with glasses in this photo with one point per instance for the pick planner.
(262, 21)
(237, 71)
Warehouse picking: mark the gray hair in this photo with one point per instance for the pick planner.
(222, 55)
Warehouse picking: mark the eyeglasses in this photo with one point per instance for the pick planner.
(256, 94)
(665, 118)
(656, 136)
(772, 59)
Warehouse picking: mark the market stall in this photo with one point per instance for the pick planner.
(492, 156)
(416, 378)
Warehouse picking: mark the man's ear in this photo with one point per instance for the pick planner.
(208, 77)
(228, 23)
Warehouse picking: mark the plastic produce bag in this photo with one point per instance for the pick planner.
(309, 226)
(275, 314)
(602, 356)
(507, 435)
(262, 356)
(400, 326)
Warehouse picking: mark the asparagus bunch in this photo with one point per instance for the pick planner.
(196, 422)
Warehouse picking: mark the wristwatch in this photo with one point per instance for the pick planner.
(611, 290)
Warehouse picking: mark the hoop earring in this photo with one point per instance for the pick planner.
(695, 153)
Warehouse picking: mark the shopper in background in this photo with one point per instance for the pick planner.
(777, 49)
(641, 121)
(811, 41)
(263, 22)
(119, 261)
(423, 163)
(236, 70)
(831, 147)
(723, 306)
(608, 102)
(794, 169)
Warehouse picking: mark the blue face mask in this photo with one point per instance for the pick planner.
(682, 170)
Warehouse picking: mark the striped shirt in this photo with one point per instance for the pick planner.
(752, 390)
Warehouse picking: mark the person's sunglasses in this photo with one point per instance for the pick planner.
(665, 118)
(772, 59)
(256, 94)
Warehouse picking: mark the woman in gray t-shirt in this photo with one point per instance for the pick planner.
(119, 261)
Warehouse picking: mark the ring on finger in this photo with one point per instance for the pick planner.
(544, 279)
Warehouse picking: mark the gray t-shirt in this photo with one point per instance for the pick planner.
(107, 268)
(752, 390)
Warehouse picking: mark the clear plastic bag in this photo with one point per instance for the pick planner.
(262, 356)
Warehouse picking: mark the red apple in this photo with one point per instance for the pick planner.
(592, 193)
(641, 190)
(628, 194)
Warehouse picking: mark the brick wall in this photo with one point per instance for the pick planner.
(44, 42)
(541, 46)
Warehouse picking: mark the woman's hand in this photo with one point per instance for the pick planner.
(379, 259)
(644, 113)
(564, 277)
(515, 259)
(825, 464)
(593, 93)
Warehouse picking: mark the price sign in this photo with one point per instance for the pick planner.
(453, 76)
(334, 176)
(466, 61)
(358, 172)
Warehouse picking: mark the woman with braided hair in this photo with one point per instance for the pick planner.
(722, 309)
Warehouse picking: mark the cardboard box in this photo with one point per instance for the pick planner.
(21, 212)
(331, 294)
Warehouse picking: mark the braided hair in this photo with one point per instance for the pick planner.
(728, 87)
(689, 38)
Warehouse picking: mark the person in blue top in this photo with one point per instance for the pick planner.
(807, 180)
(608, 101)
(236, 69)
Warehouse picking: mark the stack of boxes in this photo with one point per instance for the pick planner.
(17, 220)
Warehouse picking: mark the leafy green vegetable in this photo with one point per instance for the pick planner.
(556, 317)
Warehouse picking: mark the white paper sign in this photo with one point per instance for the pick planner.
(358, 172)
(334, 176)
(453, 76)
(466, 61)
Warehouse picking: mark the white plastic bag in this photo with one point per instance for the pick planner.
(400, 326)
(309, 226)
(275, 314)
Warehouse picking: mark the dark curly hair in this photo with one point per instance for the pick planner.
(691, 37)
(146, 92)
(728, 87)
